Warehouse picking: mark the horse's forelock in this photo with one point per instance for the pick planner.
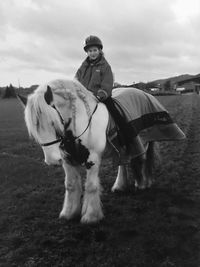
(39, 116)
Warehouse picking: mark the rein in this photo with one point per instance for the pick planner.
(67, 125)
(76, 137)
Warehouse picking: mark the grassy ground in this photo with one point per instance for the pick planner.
(155, 228)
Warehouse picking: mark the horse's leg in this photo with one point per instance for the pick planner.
(73, 192)
(152, 153)
(143, 167)
(138, 167)
(121, 180)
(91, 209)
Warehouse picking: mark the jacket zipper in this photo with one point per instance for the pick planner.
(91, 68)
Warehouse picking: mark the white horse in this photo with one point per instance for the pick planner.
(70, 125)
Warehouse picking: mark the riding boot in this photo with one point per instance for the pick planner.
(124, 132)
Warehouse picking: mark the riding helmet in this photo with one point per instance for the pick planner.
(92, 41)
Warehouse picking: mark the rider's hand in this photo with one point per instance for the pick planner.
(102, 95)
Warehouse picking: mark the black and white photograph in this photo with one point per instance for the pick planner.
(100, 133)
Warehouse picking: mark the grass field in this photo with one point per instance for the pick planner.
(155, 228)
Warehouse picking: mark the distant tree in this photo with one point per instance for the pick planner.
(140, 85)
(151, 85)
(9, 92)
(116, 85)
(1, 91)
(167, 85)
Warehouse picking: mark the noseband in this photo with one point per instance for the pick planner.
(53, 142)
(66, 125)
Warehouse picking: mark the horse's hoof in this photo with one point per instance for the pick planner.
(62, 215)
(140, 186)
(150, 184)
(90, 219)
(67, 217)
(116, 189)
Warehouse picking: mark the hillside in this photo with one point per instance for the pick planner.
(176, 79)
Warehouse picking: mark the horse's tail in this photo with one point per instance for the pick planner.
(152, 157)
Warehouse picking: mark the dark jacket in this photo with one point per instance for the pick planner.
(96, 76)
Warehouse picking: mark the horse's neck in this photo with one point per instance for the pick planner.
(91, 128)
(82, 116)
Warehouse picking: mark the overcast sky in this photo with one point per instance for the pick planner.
(41, 40)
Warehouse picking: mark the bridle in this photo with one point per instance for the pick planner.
(66, 125)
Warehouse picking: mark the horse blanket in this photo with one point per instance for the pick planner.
(147, 118)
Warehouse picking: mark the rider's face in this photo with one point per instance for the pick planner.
(93, 52)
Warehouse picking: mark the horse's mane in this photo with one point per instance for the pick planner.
(37, 106)
(74, 86)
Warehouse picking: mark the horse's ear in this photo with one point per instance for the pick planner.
(48, 96)
(22, 99)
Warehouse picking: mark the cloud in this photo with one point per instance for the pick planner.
(143, 40)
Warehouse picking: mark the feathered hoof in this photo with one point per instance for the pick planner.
(117, 189)
(91, 218)
(141, 186)
(64, 216)
(150, 183)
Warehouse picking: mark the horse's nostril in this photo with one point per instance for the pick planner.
(60, 161)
